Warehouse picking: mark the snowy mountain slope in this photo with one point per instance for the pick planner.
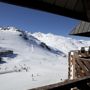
(34, 61)
(29, 39)
(64, 44)
(39, 59)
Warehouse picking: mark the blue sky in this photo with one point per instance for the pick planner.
(36, 21)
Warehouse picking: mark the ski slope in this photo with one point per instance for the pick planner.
(36, 60)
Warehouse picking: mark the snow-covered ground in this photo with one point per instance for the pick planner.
(38, 59)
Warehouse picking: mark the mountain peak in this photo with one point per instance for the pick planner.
(8, 28)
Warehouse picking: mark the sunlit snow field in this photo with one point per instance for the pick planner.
(34, 65)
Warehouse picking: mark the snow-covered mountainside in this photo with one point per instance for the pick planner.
(64, 44)
(33, 60)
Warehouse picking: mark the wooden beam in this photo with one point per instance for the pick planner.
(66, 85)
(85, 59)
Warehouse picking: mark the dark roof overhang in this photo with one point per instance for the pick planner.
(78, 9)
(82, 29)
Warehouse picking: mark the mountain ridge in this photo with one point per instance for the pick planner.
(60, 42)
